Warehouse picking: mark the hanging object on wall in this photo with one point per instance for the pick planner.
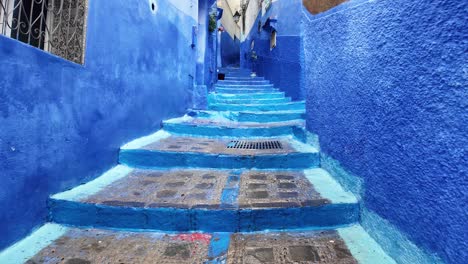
(270, 25)
(273, 40)
(194, 36)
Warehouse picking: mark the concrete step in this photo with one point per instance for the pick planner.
(256, 78)
(246, 90)
(258, 95)
(165, 150)
(257, 107)
(214, 99)
(243, 82)
(246, 116)
(244, 86)
(54, 243)
(223, 127)
(206, 200)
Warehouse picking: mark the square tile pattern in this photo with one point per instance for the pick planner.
(92, 246)
(277, 189)
(324, 247)
(174, 188)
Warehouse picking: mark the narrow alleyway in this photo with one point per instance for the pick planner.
(235, 184)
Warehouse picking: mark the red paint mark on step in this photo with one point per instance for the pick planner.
(205, 238)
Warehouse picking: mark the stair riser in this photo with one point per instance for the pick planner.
(243, 82)
(162, 159)
(244, 86)
(172, 219)
(213, 131)
(244, 78)
(245, 91)
(265, 118)
(262, 95)
(248, 101)
(237, 75)
(239, 107)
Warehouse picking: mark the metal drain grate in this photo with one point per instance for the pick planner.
(241, 144)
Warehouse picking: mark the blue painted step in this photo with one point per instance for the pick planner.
(233, 201)
(165, 150)
(214, 99)
(243, 82)
(245, 116)
(257, 107)
(226, 128)
(258, 95)
(244, 86)
(245, 90)
(256, 78)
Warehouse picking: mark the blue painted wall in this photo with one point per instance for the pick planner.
(62, 124)
(230, 50)
(387, 94)
(282, 65)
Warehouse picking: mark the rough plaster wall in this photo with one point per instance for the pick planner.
(387, 88)
(62, 124)
(230, 50)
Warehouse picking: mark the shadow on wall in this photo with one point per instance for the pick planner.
(230, 50)
(318, 6)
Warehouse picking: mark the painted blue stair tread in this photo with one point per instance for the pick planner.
(246, 91)
(246, 116)
(257, 107)
(257, 95)
(53, 242)
(223, 127)
(177, 151)
(214, 99)
(134, 201)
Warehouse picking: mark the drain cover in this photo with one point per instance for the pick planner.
(242, 144)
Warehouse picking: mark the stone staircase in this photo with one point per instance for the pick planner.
(236, 183)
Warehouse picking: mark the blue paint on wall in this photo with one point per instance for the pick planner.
(283, 64)
(62, 124)
(230, 50)
(387, 95)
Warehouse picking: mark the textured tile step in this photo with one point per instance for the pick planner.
(53, 243)
(166, 150)
(246, 90)
(258, 95)
(257, 107)
(214, 99)
(246, 116)
(206, 200)
(223, 127)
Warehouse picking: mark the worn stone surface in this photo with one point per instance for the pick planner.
(218, 146)
(277, 189)
(325, 247)
(91, 246)
(174, 188)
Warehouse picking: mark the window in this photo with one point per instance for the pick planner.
(273, 40)
(56, 26)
